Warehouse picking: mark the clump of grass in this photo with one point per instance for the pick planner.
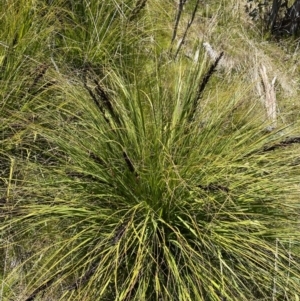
(135, 184)
(147, 203)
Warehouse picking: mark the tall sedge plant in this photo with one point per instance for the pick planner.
(22, 65)
(128, 195)
(131, 183)
(96, 31)
(30, 48)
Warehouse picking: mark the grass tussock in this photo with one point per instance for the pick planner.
(130, 171)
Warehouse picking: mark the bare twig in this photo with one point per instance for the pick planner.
(178, 16)
(187, 28)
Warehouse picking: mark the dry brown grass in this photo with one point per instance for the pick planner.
(227, 27)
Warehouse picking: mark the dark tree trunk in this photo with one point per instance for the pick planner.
(273, 14)
(283, 19)
(291, 21)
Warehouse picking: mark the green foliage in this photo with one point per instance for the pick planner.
(125, 181)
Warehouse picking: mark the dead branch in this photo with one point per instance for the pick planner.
(178, 16)
(270, 97)
(187, 28)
